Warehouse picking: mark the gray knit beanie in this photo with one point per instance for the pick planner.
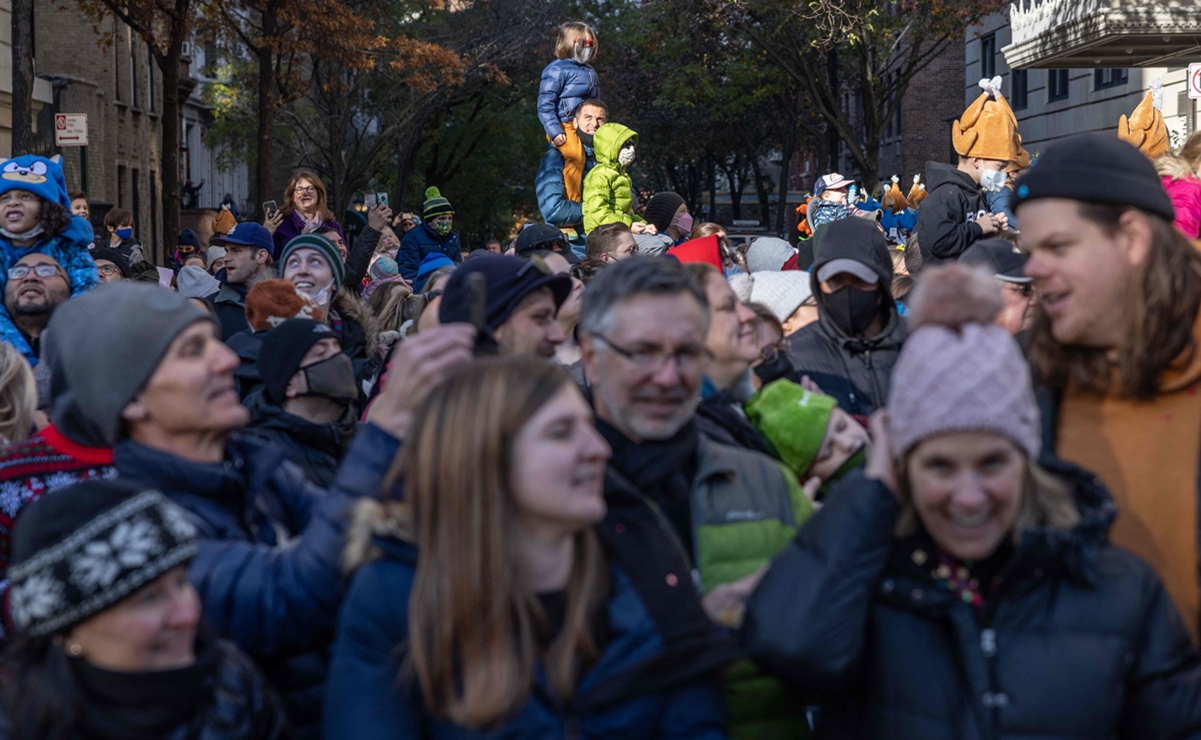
(768, 253)
(193, 281)
(782, 293)
(107, 344)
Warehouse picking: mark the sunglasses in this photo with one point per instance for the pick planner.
(587, 43)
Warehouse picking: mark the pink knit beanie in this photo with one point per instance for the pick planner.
(959, 371)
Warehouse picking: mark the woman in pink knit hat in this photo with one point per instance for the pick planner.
(961, 586)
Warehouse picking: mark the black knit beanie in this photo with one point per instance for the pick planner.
(661, 208)
(1095, 168)
(86, 547)
(284, 348)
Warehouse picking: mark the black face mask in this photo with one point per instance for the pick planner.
(852, 310)
(332, 378)
(586, 138)
(775, 365)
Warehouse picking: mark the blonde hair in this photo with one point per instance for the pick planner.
(388, 304)
(1047, 501)
(1191, 151)
(471, 642)
(568, 34)
(18, 396)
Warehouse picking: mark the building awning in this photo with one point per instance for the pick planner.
(1103, 33)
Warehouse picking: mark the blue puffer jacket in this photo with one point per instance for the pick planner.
(420, 241)
(1078, 638)
(364, 700)
(565, 84)
(71, 250)
(552, 193)
(268, 570)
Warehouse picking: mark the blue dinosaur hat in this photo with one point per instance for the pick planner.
(40, 176)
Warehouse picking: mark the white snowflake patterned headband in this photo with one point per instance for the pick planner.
(101, 563)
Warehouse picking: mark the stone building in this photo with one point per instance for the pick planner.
(119, 86)
(1075, 67)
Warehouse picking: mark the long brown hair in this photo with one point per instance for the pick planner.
(1163, 306)
(18, 396)
(471, 642)
(322, 197)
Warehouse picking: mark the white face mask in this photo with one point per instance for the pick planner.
(324, 295)
(993, 180)
(582, 54)
(626, 155)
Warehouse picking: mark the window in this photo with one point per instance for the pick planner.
(1057, 84)
(149, 79)
(136, 209)
(988, 56)
(133, 73)
(1103, 78)
(117, 65)
(1021, 84)
(152, 237)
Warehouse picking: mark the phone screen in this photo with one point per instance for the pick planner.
(381, 198)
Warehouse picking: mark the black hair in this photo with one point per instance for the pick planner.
(55, 218)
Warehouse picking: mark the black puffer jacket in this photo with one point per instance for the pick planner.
(316, 448)
(238, 705)
(946, 219)
(1078, 639)
(854, 371)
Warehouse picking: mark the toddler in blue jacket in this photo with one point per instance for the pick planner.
(566, 83)
(35, 217)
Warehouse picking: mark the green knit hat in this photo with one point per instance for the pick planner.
(793, 420)
(435, 204)
(322, 245)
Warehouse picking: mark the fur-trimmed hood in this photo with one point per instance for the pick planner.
(376, 527)
(350, 307)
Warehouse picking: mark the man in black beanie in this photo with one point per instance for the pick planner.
(306, 403)
(1115, 342)
(521, 299)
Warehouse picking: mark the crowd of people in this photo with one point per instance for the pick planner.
(617, 478)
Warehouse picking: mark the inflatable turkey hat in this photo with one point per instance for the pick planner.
(987, 129)
(894, 198)
(1021, 161)
(917, 193)
(1145, 128)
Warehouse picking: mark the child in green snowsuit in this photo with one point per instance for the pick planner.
(608, 194)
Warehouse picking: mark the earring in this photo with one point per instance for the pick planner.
(75, 649)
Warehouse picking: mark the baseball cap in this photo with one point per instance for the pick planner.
(832, 181)
(1000, 258)
(247, 234)
(853, 267)
(543, 236)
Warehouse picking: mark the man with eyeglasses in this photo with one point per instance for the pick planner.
(721, 512)
(111, 265)
(37, 285)
(1005, 262)
(520, 301)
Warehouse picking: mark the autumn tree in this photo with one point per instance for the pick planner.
(164, 25)
(286, 39)
(871, 49)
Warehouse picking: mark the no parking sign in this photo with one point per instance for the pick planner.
(1194, 80)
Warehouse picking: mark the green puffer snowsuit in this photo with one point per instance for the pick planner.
(746, 509)
(608, 193)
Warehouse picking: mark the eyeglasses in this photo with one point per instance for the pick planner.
(587, 43)
(688, 359)
(305, 189)
(105, 270)
(42, 270)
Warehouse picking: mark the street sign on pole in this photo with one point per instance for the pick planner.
(71, 129)
(1194, 80)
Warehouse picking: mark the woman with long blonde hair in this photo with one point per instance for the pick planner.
(18, 397)
(484, 601)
